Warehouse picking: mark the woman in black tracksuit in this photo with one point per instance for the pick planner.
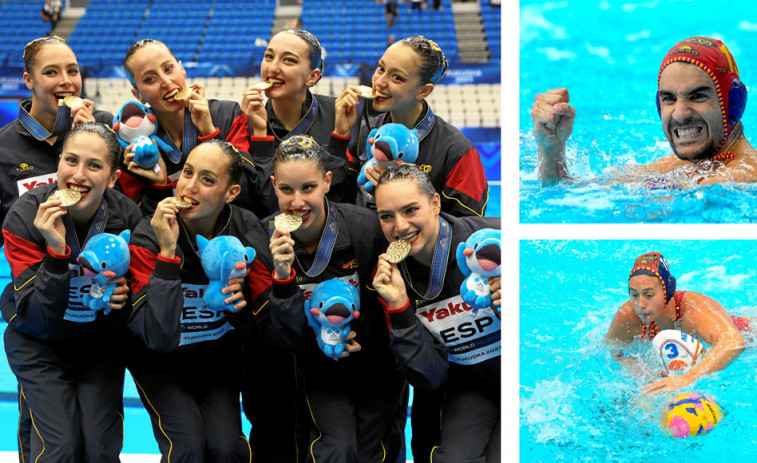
(404, 78)
(450, 357)
(156, 76)
(351, 400)
(31, 145)
(186, 367)
(292, 63)
(67, 358)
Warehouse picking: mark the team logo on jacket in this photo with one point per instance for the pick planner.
(424, 167)
(350, 264)
(24, 167)
(28, 184)
(468, 340)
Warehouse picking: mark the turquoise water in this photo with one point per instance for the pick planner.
(608, 53)
(576, 404)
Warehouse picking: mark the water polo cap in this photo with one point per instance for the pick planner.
(654, 264)
(716, 60)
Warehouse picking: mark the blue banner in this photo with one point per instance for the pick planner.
(456, 75)
(12, 83)
(472, 74)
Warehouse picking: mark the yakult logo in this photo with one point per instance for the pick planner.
(28, 184)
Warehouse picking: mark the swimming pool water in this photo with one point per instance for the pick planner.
(608, 53)
(576, 404)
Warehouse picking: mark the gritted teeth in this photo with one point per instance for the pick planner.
(382, 95)
(62, 95)
(300, 213)
(688, 132)
(275, 81)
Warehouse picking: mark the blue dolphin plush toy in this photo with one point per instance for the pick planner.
(136, 123)
(333, 304)
(479, 258)
(388, 144)
(105, 256)
(223, 258)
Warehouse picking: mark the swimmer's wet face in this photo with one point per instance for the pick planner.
(690, 111)
(647, 297)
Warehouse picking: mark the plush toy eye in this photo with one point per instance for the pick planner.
(400, 154)
(246, 258)
(353, 307)
(320, 306)
(104, 264)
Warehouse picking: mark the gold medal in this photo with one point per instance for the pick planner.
(262, 85)
(287, 222)
(366, 92)
(67, 197)
(183, 203)
(70, 101)
(182, 94)
(398, 250)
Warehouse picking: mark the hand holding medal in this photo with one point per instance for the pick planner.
(166, 226)
(253, 107)
(388, 281)
(282, 244)
(49, 218)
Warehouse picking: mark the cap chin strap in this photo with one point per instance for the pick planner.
(726, 153)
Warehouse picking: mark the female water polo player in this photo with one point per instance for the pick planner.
(655, 305)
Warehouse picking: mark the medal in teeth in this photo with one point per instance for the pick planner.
(287, 222)
(366, 92)
(70, 101)
(262, 86)
(67, 197)
(183, 203)
(398, 250)
(182, 94)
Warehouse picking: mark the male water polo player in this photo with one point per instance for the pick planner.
(700, 101)
(655, 305)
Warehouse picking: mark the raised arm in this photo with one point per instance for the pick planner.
(553, 118)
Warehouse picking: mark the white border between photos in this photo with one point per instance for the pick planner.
(510, 64)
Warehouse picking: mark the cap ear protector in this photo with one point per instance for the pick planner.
(736, 101)
(737, 95)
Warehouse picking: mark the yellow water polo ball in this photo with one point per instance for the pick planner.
(691, 414)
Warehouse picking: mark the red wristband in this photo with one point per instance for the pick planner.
(209, 136)
(283, 282)
(398, 309)
(348, 137)
(164, 186)
(170, 260)
(60, 256)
